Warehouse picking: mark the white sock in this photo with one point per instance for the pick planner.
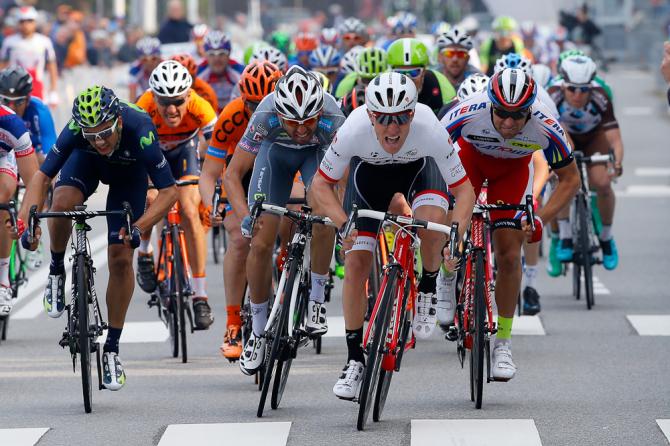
(606, 233)
(507, 342)
(564, 229)
(4, 271)
(200, 287)
(145, 246)
(317, 293)
(259, 317)
(530, 273)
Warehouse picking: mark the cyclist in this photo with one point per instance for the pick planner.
(281, 41)
(180, 115)
(597, 80)
(149, 50)
(504, 41)
(331, 37)
(272, 55)
(112, 142)
(287, 133)
(17, 157)
(454, 48)
(353, 34)
(257, 81)
(326, 60)
(201, 87)
(400, 26)
(588, 115)
(396, 146)
(370, 63)
(497, 132)
(218, 69)
(198, 33)
(304, 44)
(410, 57)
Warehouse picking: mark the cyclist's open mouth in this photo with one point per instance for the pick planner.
(392, 139)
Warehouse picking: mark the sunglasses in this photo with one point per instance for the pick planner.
(211, 53)
(579, 88)
(251, 105)
(18, 101)
(516, 115)
(459, 54)
(351, 36)
(166, 102)
(103, 134)
(411, 72)
(387, 119)
(293, 123)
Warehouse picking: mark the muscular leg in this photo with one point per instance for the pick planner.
(196, 244)
(599, 180)
(121, 284)
(7, 189)
(234, 261)
(65, 198)
(507, 245)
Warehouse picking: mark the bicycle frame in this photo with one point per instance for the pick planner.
(166, 247)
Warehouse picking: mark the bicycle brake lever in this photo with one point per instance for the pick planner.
(350, 221)
(33, 222)
(530, 212)
(453, 239)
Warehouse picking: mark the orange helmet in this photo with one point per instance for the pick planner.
(258, 80)
(306, 42)
(187, 61)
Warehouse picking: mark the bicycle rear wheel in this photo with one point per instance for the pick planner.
(585, 253)
(178, 279)
(375, 348)
(84, 340)
(478, 329)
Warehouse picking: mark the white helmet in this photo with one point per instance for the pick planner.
(353, 25)
(578, 70)
(455, 36)
(513, 60)
(391, 93)
(298, 95)
(170, 79)
(272, 55)
(541, 74)
(475, 83)
(469, 24)
(349, 63)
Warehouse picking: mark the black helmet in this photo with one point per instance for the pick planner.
(15, 81)
(352, 100)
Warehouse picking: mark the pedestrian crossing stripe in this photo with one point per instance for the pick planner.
(22, 436)
(141, 332)
(266, 434)
(665, 427)
(650, 324)
(483, 432)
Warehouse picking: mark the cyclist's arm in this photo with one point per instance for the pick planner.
(464, 199)
(166, 197)
(322, 191)
(47, 129)
(540, 173)
(568, 184)
(616, 142)
(241, 163)
(211, 171)
(36, 193)
(27, 166)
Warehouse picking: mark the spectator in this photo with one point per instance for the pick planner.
(76, 47)
(128, 52)
(580, 26)
(176, 28)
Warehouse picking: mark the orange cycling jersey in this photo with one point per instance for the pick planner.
(228, 130)
(199, 116)
(206, 92)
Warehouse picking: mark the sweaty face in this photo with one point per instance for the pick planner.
(172, 110)
(27, 27)
(577, 97)
(391, 136)
(108, 134)
(301, 132)
(454, 60)
(218, 61)
(150, 62)
(508, 127)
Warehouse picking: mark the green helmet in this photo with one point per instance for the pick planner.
(251, 49)
(504, 23)
(281, 41)
(372, 62)
(569, 53)
(408, 52)
(94, 106)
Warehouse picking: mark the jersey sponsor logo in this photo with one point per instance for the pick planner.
(457, 172)
(134, 106)
(162, 164)
(261, 129)
(147, 140)
(73, 127)
(548, 121)
(229, 126)
(467, 109)
(482, 138)
(436, 91)
(257, 137)
(326, 124)
(326, 165)
(412, 152)
(525, 145)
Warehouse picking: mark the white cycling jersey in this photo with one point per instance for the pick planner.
(427, 138)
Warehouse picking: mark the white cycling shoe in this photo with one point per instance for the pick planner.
(350, 380)
(316, 324)
(503, 368)
(446, 299)
(113, 376)
(253, 354)
(6, 301)
(425, 316)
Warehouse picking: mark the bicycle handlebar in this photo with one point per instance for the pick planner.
(596, 158)
(527, 207)
(78, 213)
(400, 219)
(304, 214)
(180, 183)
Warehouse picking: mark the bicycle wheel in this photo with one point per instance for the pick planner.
(584, 237)
(478, 330)
(4, 322)
(216, 243)
(178, 279)
(375, 347)
(83, 293)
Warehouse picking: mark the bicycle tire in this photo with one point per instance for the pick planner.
(178, 279)
(479, 330)
(216, 241)
(585, 251)
(83, 338)
(376, 350)
(4, 322)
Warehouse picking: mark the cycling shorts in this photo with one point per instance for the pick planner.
(592, 142)
(8, 164)
(184, 160)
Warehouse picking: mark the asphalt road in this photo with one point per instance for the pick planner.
(584, 377)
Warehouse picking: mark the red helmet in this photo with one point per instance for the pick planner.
(512, 89)
(305, 42)
(258, 80)
(187, 61)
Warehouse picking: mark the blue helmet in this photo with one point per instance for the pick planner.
(217, 40)
(325, 56)
(513, 60)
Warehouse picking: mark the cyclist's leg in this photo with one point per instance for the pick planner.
(8, 182)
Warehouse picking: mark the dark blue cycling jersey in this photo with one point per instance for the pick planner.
(40, 124)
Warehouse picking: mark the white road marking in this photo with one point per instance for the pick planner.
(31, 293)
(652, 171)
(141, 332)
(638, 111)
(650, 325)
(474, 433)
(266, 434)
(335, 327)
(665, 427)
(645, 191)
(599, 288)
(22, 437)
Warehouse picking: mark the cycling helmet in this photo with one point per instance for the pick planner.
(148, 46)
(504, 24)
(578, 70)
(217, 40)
(408, 52)
(15, 81)
(324, 81)
(470, 24)
(391, 93)
(349, 62)
(251, 49)
(371, 62)
(298, 95)
(170, 79)
(403, 23)
(352, 100)
(454, 37)
(272, 55)
(325, 56)
(528, 29)
(330, 36)
(513, 60)
(258, 80)
(439, 28)
(541, 74)
(94, 106)
(187, 61)
(199, 31)
(305, 42)
(569, 53)
(281, 41)
(475, 83)
(352, 25)
(512, 89)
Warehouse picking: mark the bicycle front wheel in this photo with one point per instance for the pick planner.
(179, 280)
(585, 253)
(478, 331)
(83, 294)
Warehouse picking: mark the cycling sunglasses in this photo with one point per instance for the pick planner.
(411, 72)
(294, 123)
(459, 54)
(166, 102)
(103, 134)
(580, 88)
(516, 115)
(352, 36)
(18, 101)
(387, 119)
(217, 53)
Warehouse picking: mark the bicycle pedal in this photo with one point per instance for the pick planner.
(451, 334)
(153, 301)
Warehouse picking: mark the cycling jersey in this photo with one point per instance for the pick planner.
(489, 52)
(138, 78)
(224, 83)
(32, 53)
(206, 92)
(346, 84)
(436, 90)
(40, 124)
(14, 141)
(228, 130)
(125, 170)
(199, 116)
(597, 114)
